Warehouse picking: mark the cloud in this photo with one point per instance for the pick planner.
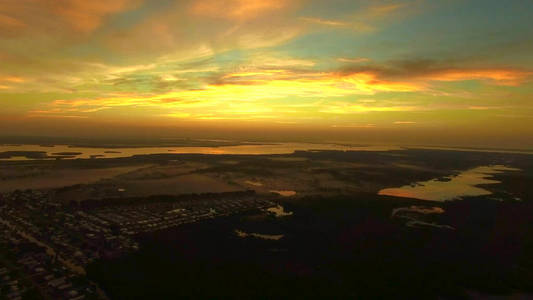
(365, 19)
(354, 60)
(404, 122)
(478, 107)
(12, 79)
(433, 70)
(10, 25)
(237, 9)
(247, 95)
(324, 22)
(85, 16)
(239, 60)
(53, 16)
(186, 26)
(497, 75)
(357, 26)
(283, 62)
(316, 83)
(384, 10)
(116, 51)
(347, 108)
(369, 125)
(268, 84)
(10, 83)
(264, 37)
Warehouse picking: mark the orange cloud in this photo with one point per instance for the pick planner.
(370, 82)
(384, 9)
(326, 22)
(86, 16)
(264, 93)
(249, 97)
(500, 76)
(22, 16)
(12, 79)
(11, 82)
(354, 60)
(434, 70)
(404, 122)
(363, 20)
(346, 108)
(370, 125)
(236, 9)
(10, 22)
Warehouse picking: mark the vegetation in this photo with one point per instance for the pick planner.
(334, 247)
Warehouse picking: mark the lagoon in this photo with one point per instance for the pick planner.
(451, 187)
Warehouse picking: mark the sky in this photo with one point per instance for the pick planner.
(450, 72)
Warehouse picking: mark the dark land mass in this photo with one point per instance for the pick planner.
(347, 246)
(338, 243)
(27, 154)
(496, 149)
(67, 153)
(334, 247)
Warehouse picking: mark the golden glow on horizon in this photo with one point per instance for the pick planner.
(249, 95)
(248, 99)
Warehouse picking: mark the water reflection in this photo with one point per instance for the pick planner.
(451, 187)
(284, 193)
(254, 183)
(425, 210)
(279, 211)
(418, 223)
(420, 216)
(274, 237)
(86, 152)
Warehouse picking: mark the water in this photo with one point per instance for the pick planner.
(89, 152)
(279, 211)
(273, 237)
(254, 183)
(418, 209)
(417, 216)
(284, 193)
(464, 184)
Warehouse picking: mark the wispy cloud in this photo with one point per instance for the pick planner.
(497, 75)
(346, 108)
(324, 21)
(404, 122)
(27, 16)
(430, 70)
(369, 125)
(85, 16)
(354, 60)
(237, 9)
(13, 79)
